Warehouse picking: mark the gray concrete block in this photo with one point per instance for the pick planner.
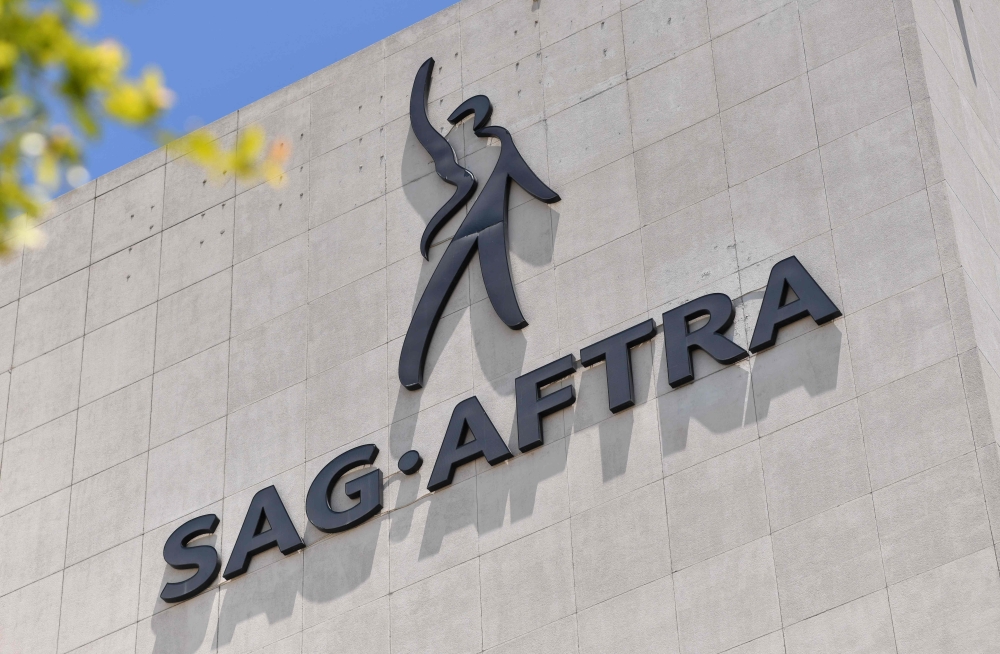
(434, 534)
(44, 388)
(346, 571)
(33, 542)
(932, 518)
(685, 85)
(347, 178)
(659, 30)
(350, 102)
(441, 613)
(588, 136)
(10, 276)
(348, 248)
(831, 28)
(681, 170)
(118, 354)
(189, 394)
(701, 422)
(268, 358)
(558, 23)
(270, 284)
(828, 560)
(130, 171)
(499, 350)
(981, 395)
(517, 94)
(189, 189)
(106, 510)
(674, 262)
(129, 213)
(599, 208)
(583, 64)
(591, 298)
(193, 319)
(268, 215)
(120, 642)
(261, 608)
(99, 595)
(642, 620)
(191, 627)
(290, 125)
(347, 323)
(448, 371)
(726, 15)
(51, 317)
(779, 209)
(716, 506)
(265, 439)
(863, 626)
(67, 249)
(445, 45)
(614, 457)
(727, 600)
(620, 546)
(759, 56)
(197, 248)
(557, 637)
(859, 88)
(522, 497)
(954, 607)
(872, 167)
(199, 457)
(37, 464)
(803, 377)
(916, 423)
(814, 465)
(527, 584)
(113, 429)
(496, 37)
(69, 200)
(768, 130)
(123, 283)
(900, 335)
(886, 252)
(346, 402)
(274, 102)
(366, 629)
(30, 617)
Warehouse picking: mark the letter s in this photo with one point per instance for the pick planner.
(203, 557)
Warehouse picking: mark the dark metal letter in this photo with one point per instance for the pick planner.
(532, 407)
(469, 416)
(614, 351)
(679, 341)
(202, 557)
(776, 312)
(367, 489)
(265, 507)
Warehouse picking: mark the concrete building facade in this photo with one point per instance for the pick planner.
(181, 344)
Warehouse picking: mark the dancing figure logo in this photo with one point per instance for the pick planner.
(484, 227)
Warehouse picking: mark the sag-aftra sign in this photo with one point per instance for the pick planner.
(791, 294)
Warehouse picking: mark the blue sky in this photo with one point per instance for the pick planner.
(219, 55)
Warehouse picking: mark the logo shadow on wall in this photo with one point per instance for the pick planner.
(467, 211)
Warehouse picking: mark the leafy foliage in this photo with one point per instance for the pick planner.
(45, 60)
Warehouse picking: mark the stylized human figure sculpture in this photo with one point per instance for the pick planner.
(484, 227)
